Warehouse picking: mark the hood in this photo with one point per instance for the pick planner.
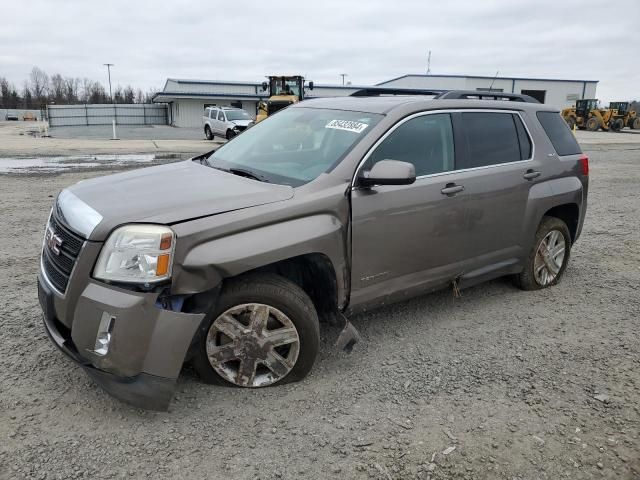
(165, 194)
(242, 123)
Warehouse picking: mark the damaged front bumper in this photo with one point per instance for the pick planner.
(147, 344)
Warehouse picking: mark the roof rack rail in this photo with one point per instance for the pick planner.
(485, 95)
(378, 91)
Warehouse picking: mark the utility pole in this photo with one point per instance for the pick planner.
(343, 75)
(109, 65)
(113, 122)
(429, 63)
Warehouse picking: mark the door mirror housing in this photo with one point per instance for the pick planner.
(265, 86)
(388, 172)
(311, 85)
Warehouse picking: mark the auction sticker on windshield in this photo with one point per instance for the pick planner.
(348, 125)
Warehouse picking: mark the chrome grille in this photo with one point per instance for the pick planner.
(58, 265)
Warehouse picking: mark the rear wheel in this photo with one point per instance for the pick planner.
(263, 331)
(208, 133)
(593, 124)
(549, 256)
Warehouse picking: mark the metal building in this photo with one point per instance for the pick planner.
(559, 93)
(187, 99)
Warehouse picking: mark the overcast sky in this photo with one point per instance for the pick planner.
(370, 40)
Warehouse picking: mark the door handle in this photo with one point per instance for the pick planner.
(531, 174)
(450, 189)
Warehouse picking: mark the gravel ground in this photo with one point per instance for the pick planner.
(497, 384)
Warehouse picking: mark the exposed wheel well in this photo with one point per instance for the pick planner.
(314, 273)
(569, 214)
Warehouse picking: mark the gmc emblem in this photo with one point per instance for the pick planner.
(53, 241)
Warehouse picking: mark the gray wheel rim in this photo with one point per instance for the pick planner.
(253, 345)
(549, 257)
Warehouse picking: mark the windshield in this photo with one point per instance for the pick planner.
(280, 86)
(296, 145)
(237, 115)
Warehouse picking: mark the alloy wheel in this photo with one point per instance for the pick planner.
(549, 257)
(253, 345)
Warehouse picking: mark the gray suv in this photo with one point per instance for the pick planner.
(330, 207)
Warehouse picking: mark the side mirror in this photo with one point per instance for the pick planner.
(389, 172)
(311, 85)
(265, 86)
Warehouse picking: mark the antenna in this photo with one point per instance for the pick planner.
(494, 79)
(429, 63)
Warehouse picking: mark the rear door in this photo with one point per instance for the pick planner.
(497, 169)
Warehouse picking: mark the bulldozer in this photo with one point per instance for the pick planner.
(283, 91)
(623, 116)
(586, 115)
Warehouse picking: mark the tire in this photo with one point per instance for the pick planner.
(527, 279)
(230, 134)
(617, 125)
(593, 124)
(571, 122)
(208, 133)
(282, 297)
(635, 123)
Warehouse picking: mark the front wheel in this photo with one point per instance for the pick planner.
(263, 331)
(549, 256)
(208, 133)
(635, 123)
(230, 134)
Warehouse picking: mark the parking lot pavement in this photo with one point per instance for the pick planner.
(497, 384)
(22, 139)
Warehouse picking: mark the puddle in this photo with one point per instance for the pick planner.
(70, 163)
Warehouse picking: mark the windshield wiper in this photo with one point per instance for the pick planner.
(248, 174)
(241, 172)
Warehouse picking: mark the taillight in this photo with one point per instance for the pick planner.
(584, 164)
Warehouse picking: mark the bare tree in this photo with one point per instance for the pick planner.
(27, 99)
(56, 93)
(5, 92)
(71, 86)
(128, 95)
(39, 84)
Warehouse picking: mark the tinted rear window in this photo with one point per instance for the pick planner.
(492, 139)
(559, 134)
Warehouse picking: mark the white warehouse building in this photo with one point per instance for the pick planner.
(187, 99)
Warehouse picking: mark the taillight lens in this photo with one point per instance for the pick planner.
(584, 164)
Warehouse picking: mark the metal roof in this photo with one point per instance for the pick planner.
(486, 78)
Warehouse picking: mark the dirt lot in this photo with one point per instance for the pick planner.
(497, 384)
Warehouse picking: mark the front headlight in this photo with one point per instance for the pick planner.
(137, 254)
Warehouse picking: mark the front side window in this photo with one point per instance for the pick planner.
(425, 141)
(296, 145)
(491, 138)
(220, 115)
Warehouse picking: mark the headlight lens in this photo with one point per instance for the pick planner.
(137, 254)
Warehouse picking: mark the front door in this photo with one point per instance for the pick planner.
(411, 238)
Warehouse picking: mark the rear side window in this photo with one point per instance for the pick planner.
(523, 139)
(491, 139)
(559, 134)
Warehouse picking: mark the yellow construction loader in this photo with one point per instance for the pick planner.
(623, 116)
(585, 115)
(283, 91)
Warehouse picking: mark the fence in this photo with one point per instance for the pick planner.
(124, 114)
(19, 112)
